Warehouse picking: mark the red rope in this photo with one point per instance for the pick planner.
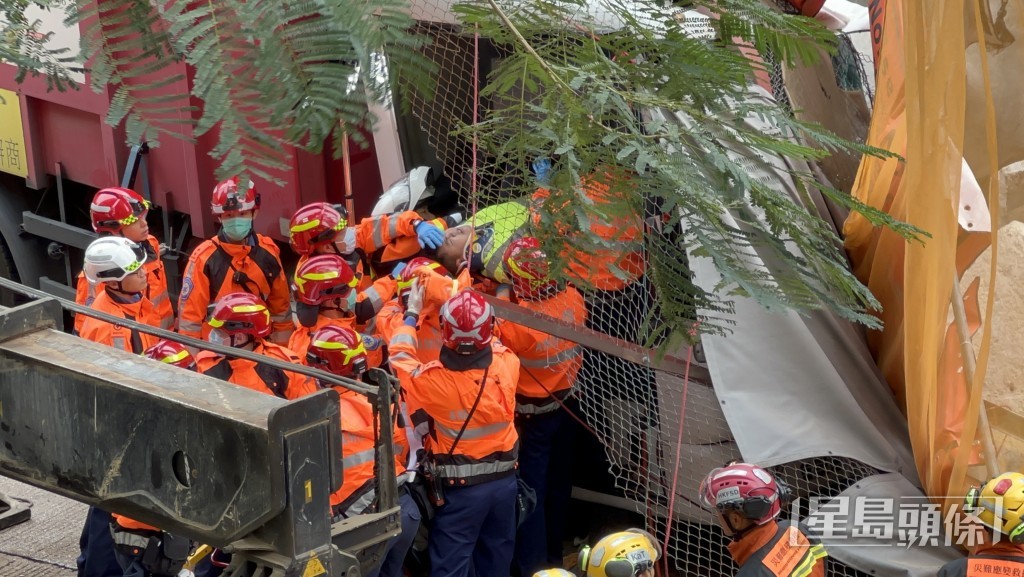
(675, 474)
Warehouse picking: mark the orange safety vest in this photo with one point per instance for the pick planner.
(988, 560)
(117, 335)
(489, 447)
(595, 269)
(213, 270)
(156, 289)
(257, 376)
(358, 489)
(548, 365)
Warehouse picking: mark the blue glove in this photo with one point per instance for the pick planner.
(397, 271)
(542, 168)
(429, 235)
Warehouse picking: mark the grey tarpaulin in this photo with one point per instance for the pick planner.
(796, 387)
(890, 558)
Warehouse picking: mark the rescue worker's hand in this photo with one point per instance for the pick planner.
(415, 297)
(542, 168)
(429, 235)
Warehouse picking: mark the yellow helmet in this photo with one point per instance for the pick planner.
(623, 554)
(999, 504)
(553, 573)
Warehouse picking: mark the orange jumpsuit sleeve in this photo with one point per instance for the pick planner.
(85, 293)
(195, 292)
(402, 349)
(376, 232)
(381, 291)
(279, 299)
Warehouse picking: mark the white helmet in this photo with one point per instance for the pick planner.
(416, 186)
(112, 258)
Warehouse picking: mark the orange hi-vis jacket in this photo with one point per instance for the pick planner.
(156, 288)
(437, 289)
(595, 269)
(987, 560)
(441, 399)
(375, 232)
(119, 336)
(302, 337)
(778, 549)
(259, 377)
(548, 365)
(359, 488)
(215, 268)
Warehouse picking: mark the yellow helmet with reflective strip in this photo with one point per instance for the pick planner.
(999, 504)
(623, 554)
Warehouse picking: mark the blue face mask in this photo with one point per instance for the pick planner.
(350, 301)
(236, 228)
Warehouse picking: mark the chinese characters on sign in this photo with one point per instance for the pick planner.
(13, 158)
(882, 522)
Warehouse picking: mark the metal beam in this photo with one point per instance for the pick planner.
(56, 230)
(178, 450)
(598, 341)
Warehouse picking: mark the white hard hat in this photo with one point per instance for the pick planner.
(112, 258)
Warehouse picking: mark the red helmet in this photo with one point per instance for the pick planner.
(320, 279)
(115, 208)
(338, 350)
(171, 353)
(466, 322)
(528, 268)
(241, 314)
(408, 275)
(228, 197)
(316, 225)
(745, 488)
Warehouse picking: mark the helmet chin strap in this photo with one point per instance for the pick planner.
(737, 534)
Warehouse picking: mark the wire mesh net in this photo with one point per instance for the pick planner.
(655, 452)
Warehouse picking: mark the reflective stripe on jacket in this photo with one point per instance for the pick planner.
(358, 487)
(548, 365)
(489, 447)
(212, 271)
(778, 549)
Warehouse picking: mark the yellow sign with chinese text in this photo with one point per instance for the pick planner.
(13, 157)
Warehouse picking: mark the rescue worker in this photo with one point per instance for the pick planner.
(437, 286)
(998, 505)
(548, 369)
(242, 321)
(320, 227)
(748, 501)
(339, 350)
(237, 259)
(465, 401)
(325, 294)
(117, 265)
(171, 353)
(122, 212)
(629, 553)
